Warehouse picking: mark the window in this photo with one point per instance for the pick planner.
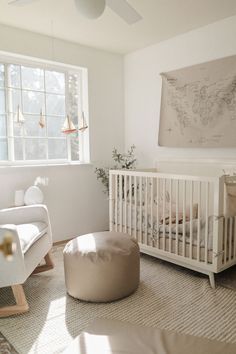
(30, 95)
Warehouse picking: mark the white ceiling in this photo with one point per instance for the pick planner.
(162, 19)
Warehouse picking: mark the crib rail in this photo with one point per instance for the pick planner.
(179, 216)
(229, 241)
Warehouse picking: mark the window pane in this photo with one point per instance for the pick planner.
(1, 75)
(14, 100)
(55, 105)
(3, 149)
(35, 149)
(73, 97)
(18, 149)
(33, 102)
(2, 102)
(33, 90)
(55, 82)
(14, 76)
(74, 149)
(57, 149)
(32, 127)
(32, 78)
(3, 130)
(54, 126)
(18, 129)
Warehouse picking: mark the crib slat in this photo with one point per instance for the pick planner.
(177, 218)
(151, 218)
(135, 207)
(146, 210)
(158, 222)
(230, 237)
(223, 241)
(206, 223)
(130, 204)
(225, 238)
(140, 210)
(170, 216)
(198, 221)
(164, 213)
(116, 203)
(125, 201)
(111, 202)
(191, 220)
(184, 217)
(234, 237)
(121, 202)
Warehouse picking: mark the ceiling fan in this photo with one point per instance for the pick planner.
(94, 8)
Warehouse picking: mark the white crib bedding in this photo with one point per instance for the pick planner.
(148, 225)
(196, 254)
(169, 244)
(187, 227)
(173, 244)
(153, 234)
(164, 209)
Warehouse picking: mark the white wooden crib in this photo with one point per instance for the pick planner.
(187, 220)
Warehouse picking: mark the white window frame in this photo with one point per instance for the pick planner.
(84, 148)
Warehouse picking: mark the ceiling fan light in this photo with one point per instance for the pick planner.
(91, 8)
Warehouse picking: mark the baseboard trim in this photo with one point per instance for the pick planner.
(59, 243)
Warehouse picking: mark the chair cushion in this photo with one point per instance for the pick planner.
(30, 233)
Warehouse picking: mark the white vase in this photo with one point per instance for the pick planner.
(19, 198)
(33, 195)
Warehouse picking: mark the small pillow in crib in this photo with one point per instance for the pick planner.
(166, 213)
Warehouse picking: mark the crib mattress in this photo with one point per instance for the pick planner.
(170, 247)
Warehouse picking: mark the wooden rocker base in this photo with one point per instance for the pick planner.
(47, 266)
(21, 303)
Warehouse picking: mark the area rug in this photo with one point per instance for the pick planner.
(227, 278)
(5, 346)
(168, 297)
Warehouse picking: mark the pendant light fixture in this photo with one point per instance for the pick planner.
(91, 9)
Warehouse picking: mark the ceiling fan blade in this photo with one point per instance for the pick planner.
(123, 9)
(20, 2)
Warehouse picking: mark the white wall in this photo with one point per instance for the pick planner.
(143, 87)
(74, 197)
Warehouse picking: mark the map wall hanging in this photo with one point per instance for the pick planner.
(198, 105)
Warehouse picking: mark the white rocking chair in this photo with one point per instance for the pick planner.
(31, 230)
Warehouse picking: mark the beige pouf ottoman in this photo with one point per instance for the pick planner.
(101, 266)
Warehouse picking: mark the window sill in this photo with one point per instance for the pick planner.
(44, 164)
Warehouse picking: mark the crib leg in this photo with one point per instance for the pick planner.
(212, 280)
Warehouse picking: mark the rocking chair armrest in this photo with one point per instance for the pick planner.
(25, 214)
